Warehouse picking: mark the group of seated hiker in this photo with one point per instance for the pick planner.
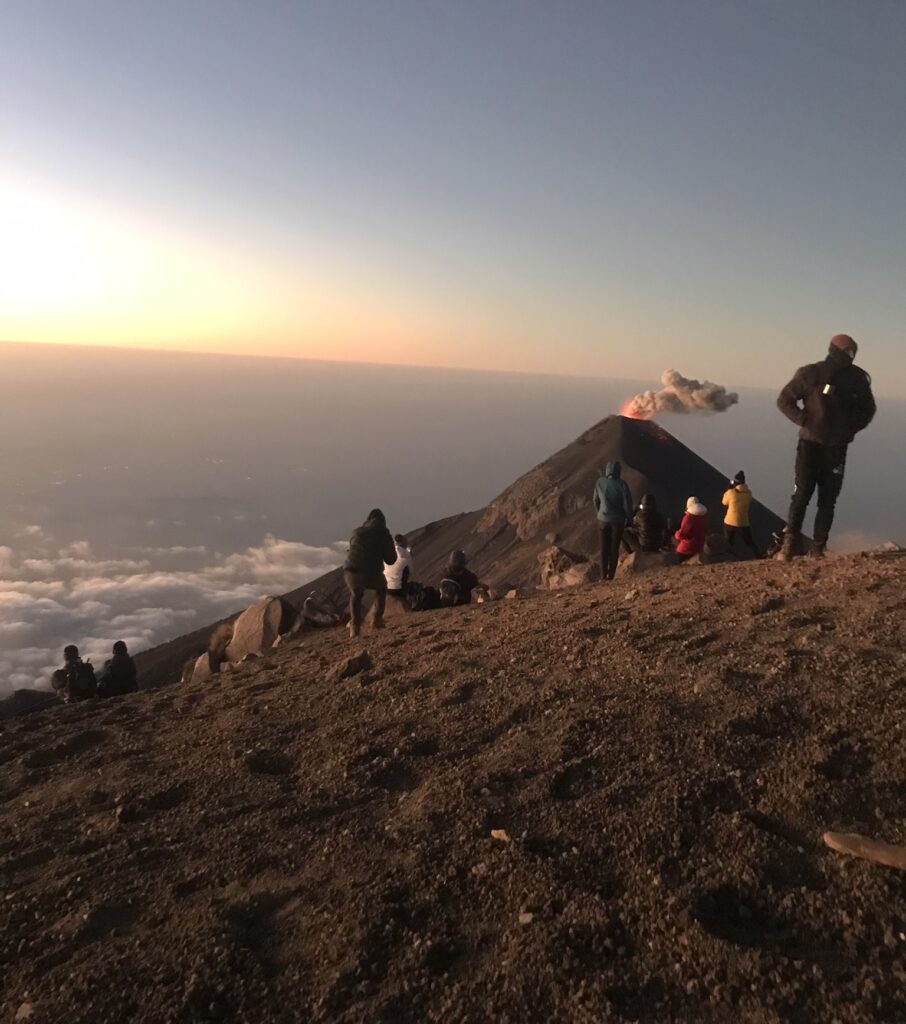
(382, 563)
(647, 529)
(76, 680)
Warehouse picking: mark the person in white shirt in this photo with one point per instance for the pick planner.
(399, 574)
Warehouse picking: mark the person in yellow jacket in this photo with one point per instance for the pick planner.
(737, 500)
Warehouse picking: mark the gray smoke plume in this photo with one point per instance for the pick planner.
(682, 395)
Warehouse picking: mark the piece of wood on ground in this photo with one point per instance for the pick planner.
(867, 849)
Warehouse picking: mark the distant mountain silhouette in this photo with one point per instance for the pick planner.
(550, 503)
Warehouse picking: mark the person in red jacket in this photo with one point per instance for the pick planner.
(693, 531)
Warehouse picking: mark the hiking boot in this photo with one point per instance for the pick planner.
(378, 624)
(354, 629)
(817, 550)
(787, 548)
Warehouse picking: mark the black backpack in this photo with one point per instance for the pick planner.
(80, 681)
(449, 593)
(420, 598)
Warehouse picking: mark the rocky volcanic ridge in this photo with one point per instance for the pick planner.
(596, 804)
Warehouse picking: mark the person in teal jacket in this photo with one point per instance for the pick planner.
(613, 507)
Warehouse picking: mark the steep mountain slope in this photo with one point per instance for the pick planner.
(503, 541)
(599, 804)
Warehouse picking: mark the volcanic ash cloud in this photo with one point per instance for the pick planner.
(681, 395)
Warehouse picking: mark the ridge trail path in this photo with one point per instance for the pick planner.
(659, 757)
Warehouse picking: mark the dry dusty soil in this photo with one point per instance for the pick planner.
(660, 757)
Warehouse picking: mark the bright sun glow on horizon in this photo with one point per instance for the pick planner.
(81, 272)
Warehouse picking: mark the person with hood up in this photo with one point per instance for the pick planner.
(370, 548)
(737, 501)
(693, 531)
(613, 507)
(399, 573)
(119, 675)
(648, 531)
(830, 402)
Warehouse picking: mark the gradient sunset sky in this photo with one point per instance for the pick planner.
(596, 187)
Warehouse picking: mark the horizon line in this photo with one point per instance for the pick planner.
(128, 349)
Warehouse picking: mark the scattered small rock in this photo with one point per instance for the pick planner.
(500, 834)
(353, 665)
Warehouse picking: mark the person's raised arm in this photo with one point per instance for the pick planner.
(389, 552)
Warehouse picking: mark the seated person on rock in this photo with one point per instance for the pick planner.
(399, 574)
(648, 531)
(317, 612)
(370, 548)
(75, 680)
(693, 531)
(458, 582)
(119, 675)
(737, 500)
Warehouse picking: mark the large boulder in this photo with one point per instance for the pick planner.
(256, 629)
(204, 668)
(562, 568)
(644, 561)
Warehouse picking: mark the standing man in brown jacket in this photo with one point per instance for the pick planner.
(830, 402)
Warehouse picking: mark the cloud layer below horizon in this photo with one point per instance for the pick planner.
(67, 595)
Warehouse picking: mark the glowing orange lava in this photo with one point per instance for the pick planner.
(629, 410)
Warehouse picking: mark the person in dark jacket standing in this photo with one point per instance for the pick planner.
(830, 402)
(119, 675)
(370, 548)
(613, 507)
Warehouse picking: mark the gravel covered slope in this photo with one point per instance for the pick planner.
(658, 757)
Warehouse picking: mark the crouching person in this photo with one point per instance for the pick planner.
(693, 531)
(458, 583)
(75, 680)
(119, 675)
(370, 548)
(649, 531)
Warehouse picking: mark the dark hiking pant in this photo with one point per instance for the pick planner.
(611, 535)
(357, 584)
(730, 532)
(632, 541)
(821, 466)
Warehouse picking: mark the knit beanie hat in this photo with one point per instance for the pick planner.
(845, 342)
(740, 478)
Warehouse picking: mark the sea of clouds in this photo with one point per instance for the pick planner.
(51, 596)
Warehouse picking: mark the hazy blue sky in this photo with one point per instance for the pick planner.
(592, 187)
